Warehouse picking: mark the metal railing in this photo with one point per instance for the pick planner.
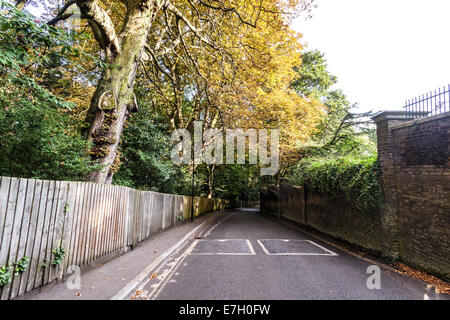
(428, 104)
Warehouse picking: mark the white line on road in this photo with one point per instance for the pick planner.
(329, 252)
(125, 291)
(250, 248)
(217, 223)
(160, 286)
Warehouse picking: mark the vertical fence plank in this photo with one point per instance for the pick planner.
(106, 220)
(91, 220)
(123, 214)
(51, 242)
(136, 215)
(84, 224)
(46, 245)
(38, 247)
(60, 221)
(168, 211)
(114, 214)
(9, 198)
(68, 222)
(129, 222)
(23, 234)
(114, 206)
(156, 212)
(119, 243)
(74, 197)
(33, 237)
(94, 222)
(8, 223)
(4, 193)
(142, 216)
(100, 221)
(16, 211)
(112, 235)
(117, 219)
(77, 232)
(146, 215)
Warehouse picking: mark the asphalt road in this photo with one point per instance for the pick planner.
(245, 255)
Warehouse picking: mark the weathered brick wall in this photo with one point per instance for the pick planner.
(414, 224)
(336, 217)
(292, 204)
(330, 215)
(422, 184)
(270, 201)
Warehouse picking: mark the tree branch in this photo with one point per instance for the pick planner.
(106, 35)
(61, 14)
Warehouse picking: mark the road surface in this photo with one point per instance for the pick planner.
(245, 255)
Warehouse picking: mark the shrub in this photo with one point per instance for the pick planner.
(41, 142)
(39, 135)
(146, 162)
(357, 179)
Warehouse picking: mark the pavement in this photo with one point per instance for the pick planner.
(105, 278)
(239, 255)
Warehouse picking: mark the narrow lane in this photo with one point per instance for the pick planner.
(248, 256)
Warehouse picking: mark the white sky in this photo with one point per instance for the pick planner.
(382, 51)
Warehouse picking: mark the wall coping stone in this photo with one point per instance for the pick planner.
(389, 115)
(421, 120)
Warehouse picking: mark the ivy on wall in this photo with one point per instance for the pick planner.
(356, 178)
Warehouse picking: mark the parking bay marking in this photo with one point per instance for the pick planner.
(267, 251)
(250, 252)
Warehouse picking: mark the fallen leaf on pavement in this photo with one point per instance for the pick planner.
(440, 285)
(153, 276)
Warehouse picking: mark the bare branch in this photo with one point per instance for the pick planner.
(106, 35)
(61, 14)
(236, 12)
(195, 30)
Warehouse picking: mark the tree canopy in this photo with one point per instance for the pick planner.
(92, 89)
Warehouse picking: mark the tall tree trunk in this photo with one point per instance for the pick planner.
(114, 97)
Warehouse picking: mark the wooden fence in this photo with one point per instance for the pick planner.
(89, 220)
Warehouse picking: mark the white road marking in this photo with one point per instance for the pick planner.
(250, 247)
(217, 223)
(160, 286)
(329, 252)
(125, 291)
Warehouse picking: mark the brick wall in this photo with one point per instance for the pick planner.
(414, 224)
(330, 215)
(336, 217)
(421, 182)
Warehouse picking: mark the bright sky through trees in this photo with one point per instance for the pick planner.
(382, 51)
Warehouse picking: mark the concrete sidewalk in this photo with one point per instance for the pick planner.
(105, 278)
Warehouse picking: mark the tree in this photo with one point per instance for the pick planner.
(340, 131)
(39, 135)
(158, 26)
(314, 78)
